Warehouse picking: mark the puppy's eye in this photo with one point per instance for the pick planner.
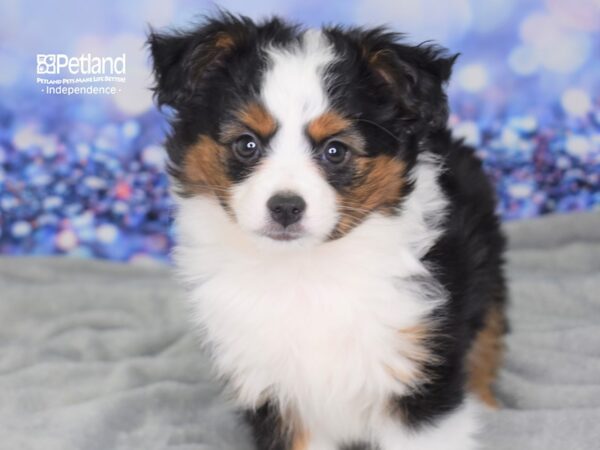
(247, 148)
(335, 153)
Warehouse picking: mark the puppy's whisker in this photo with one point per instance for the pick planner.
(381, 127)
(354, 209)
(209, 186)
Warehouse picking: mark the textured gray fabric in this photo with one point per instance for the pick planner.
(550, 383)
(95, 355)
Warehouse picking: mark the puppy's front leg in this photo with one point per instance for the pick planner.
(268, 429)
(271, 431)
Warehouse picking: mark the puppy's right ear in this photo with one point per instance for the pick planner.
(183, 60)
(168, 54)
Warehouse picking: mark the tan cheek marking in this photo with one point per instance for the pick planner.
(258, 119)
(327, 125)
(383, 184)
(485, 356)
(379, 187)
(204, 169)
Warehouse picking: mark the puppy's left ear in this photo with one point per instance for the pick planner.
(416, 76)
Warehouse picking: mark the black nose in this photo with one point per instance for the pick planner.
(286, 208)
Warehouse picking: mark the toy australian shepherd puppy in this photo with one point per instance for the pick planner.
(341, 250)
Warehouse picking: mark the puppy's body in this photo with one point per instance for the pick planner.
(342, 253)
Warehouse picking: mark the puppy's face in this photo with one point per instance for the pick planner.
(299, 135)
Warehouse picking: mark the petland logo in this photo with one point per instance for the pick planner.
(83, 70)
(53, 64)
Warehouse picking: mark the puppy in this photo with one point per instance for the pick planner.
(341, 250)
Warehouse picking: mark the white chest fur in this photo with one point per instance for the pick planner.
(316, 329)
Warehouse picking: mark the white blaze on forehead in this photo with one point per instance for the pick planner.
(293, 87)
(293, 90)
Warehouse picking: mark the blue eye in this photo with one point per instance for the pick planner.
(247, 148)
(335, 152)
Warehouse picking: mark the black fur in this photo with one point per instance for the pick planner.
(468, 261)
(394, 93)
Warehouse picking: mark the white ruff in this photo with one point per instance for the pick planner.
(313, 327)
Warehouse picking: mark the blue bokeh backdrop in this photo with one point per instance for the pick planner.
(83, 175)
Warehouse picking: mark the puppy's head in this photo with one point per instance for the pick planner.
(300, 135)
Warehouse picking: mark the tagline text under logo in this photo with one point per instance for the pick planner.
(85, 74)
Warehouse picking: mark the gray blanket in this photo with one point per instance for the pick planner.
(95, 355)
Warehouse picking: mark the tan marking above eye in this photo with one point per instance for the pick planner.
(331, 124)
(258, 119)
(326, 125)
